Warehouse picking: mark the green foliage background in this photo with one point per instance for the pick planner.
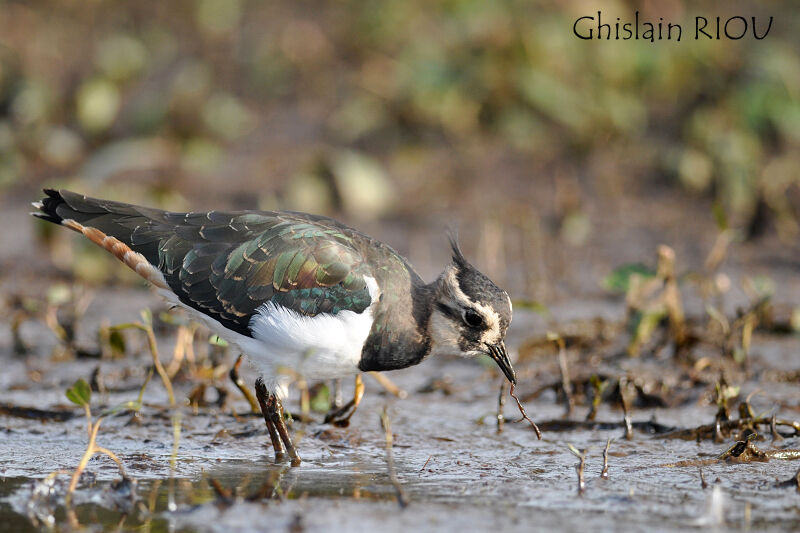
(398, 106)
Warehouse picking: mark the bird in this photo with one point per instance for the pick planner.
(297, 290)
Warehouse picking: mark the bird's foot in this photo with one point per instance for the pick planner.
(340, 417)
(283, 431)
(240, 384)
(272, 409)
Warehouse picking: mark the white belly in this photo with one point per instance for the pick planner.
(319, 347)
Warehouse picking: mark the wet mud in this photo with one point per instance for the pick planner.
(694, 425)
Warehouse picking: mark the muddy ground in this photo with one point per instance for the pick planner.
(454, 469)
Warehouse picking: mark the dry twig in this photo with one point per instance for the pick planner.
(386, 424)
(581, 455)
(389, 385)
(604, 472)
(524, 415)
(501, 403)
(146, 325)
(566, 386)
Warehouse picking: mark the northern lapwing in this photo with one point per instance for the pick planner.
(296, 290)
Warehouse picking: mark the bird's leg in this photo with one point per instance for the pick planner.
(276, 413)
(337, 399)
(266, 409)
(341, 417)
(234, 375)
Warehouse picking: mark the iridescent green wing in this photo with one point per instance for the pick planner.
(298, 264)
(228, 264)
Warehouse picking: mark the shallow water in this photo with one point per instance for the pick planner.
(457, 472)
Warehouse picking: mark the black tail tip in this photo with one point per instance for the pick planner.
(48, 206)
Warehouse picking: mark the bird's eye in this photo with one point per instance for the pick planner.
(473, 319)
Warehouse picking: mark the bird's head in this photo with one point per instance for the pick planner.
(470, 314)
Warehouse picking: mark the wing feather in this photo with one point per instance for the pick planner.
(227, 265)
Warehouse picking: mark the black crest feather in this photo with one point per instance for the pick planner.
(458, 257)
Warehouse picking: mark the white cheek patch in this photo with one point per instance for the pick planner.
(491, 337)
(492, 334)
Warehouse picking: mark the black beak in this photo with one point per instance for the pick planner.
(500, 355)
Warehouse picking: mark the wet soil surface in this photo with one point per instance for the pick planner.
(454, 468)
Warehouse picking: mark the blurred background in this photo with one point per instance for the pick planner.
(563, 163)
(556, 158)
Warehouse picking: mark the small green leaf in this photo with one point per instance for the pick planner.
(216, 340)
(727, 393)
(80, 393)
(117, 343)
(124, 406)
(763, 286)
(321, 401)
(720, 217)
(172, 320)
(532, 305)
(597, 383)
(147, 317)
(59, 294)
(620, 279)
(643, 324)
